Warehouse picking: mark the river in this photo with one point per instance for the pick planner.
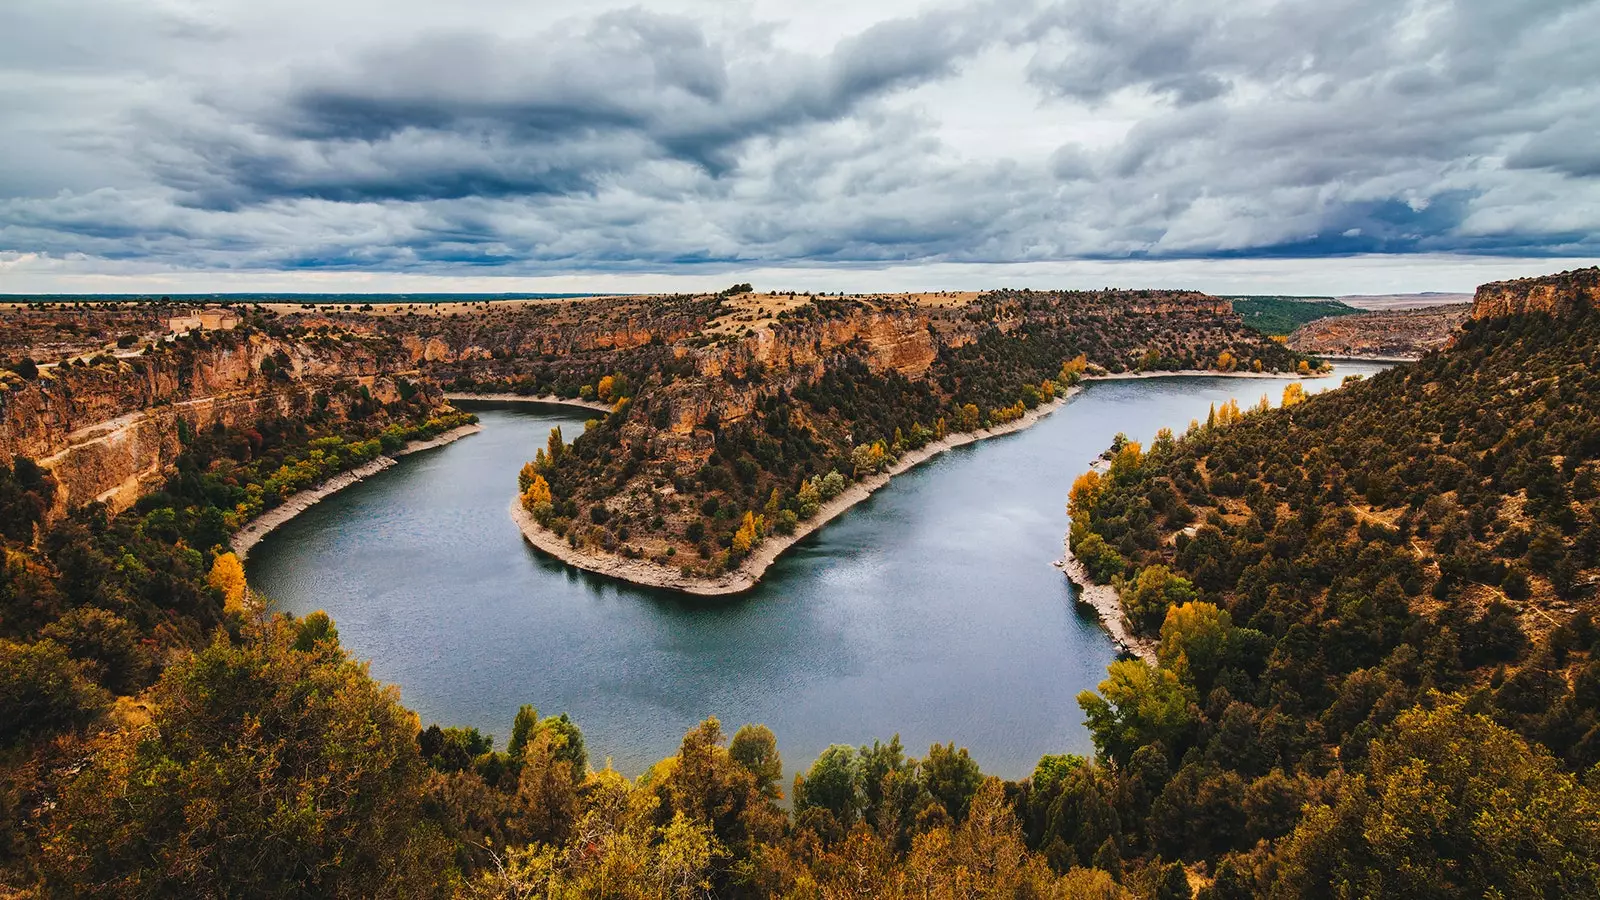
(931, 609)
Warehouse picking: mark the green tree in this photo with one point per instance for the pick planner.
(1136, 705)
(832, 784)
(1151, 593)
(756, 749)
(1453, 806)
(43, 690)
(265, 770)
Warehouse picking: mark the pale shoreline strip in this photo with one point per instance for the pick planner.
(523, 398)
(652, 574)
(259, 527)
(1103, 599)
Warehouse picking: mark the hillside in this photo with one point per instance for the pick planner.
(1280, 316)
(1375, 675)
(742, 433)
(1389, 334)
(1318, 574)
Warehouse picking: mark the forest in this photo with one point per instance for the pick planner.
(1376, 673)
(1326, 575)
(1280, 316)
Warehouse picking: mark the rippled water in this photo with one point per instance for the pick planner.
(931, 609)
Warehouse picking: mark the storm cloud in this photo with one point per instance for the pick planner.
(441, 138)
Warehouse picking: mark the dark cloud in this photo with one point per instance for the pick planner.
(627, 139)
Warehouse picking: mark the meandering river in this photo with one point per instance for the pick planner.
(931, 609)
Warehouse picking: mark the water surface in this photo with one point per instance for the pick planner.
(930, 610)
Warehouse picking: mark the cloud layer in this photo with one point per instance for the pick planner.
(491, 137)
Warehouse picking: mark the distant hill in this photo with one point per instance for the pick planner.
(1279, 316)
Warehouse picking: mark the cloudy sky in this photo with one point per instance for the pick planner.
(1320, 146)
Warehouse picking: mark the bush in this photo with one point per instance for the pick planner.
(43, 690)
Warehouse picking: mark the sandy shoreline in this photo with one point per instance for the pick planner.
(521, 398)
(1103, 599)
(262, 525)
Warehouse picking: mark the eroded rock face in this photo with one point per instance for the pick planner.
(1557, 295)
(108, 431)
(1396, 334)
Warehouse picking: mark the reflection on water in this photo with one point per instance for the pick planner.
(930, 610)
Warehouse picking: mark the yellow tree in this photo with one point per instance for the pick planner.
(749, 533)
(1084, 494)
(1293, 394)
(555, 446)
(1073, 369)
(227, 576)
(538, 492)
(1127, 459)
(1226, 362)
(604, 389)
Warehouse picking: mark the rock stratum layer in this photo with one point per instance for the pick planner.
(1556, 295)
(1391, 334)
(739, 438)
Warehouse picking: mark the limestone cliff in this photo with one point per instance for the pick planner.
(1556, 295)
(108, 430)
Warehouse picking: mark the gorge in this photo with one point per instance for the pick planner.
(933, 605)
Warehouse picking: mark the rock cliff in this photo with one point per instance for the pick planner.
(108, 429)
(1557, 295)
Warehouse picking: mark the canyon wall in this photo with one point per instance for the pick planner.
(1557, 295)
(108, 431)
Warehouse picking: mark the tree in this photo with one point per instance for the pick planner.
(536, 498)
(1194, 641)
(1454, 806)
(952, 777)
(1103, 562)
(749, 533)
(1147, 598)
(43, 690)
(1226, 362)
(554, 446)
(522, 728)
(756, 749)
(1085, 493)
(227, 576)
(810, 499)
(294, 753)
(831, 784)
(1136, 705)
(1294, 394)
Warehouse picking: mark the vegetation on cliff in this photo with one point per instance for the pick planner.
(1376, 675)
(744, 437)
(1375, 610)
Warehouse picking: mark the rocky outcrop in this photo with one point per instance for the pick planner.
(1391, 334)
(108, 431)
(1556, 295)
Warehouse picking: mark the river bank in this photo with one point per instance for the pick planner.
(749, 572)
(259, 527)
(1103, 599)
(453, 396)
